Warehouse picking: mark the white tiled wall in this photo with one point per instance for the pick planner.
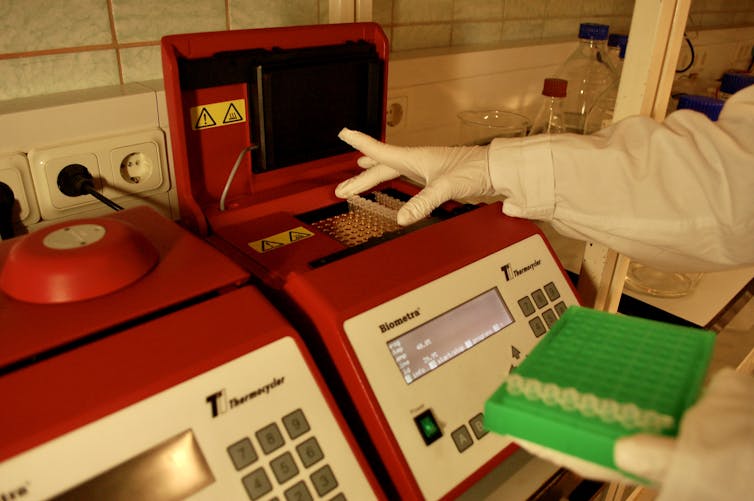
(36, 25)
(137, 21)
(91, 124)
(421, 24)
(436, 87)
(49, 46)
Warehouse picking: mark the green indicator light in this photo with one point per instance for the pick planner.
(429, 426)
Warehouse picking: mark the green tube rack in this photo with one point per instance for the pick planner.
(596, 377)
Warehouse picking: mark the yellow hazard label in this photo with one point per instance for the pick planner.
(281, 239)
(212, 115)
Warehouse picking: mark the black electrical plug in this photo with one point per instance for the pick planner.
(76, 180)
(7, 203)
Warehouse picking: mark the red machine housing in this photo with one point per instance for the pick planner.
(203, 159)
(67, 364)
(329, 295)
(316, 299)
(186, 269)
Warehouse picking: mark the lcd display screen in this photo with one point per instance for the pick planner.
(170, 471)
(425, 348)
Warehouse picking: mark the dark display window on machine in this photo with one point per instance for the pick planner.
(299, 99)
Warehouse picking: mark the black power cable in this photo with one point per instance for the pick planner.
(76, 180)
(7, 202)
(693, 55)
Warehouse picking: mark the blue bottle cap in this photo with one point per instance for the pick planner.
(733, 82)
(620, 41)
(703, 104)
(593, 31)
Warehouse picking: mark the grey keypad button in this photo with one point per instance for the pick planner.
(462, 438)
(477, 426)
(299, 492)
(309, 451)
(284, 467)
(256, 484)
(539, 298)
(527, 307)
(550, 317)
(242, 453)
(537, 326)
(270, 438)
(552, 291)
(323, 480)
(561, 308)
(296, 424)
(339, 497)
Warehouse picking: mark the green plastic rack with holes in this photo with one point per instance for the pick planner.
(596, 377)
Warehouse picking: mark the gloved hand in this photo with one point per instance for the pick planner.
(448, 173)
(713, 455)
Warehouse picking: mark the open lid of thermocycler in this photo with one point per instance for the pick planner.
(269, 102)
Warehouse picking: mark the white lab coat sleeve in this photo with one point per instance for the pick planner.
(676, 195)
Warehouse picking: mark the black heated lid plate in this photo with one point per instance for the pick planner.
(299, 99)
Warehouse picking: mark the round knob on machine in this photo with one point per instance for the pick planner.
(76, 260)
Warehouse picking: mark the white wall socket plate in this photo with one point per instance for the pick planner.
(128, 166)
(52, 168)
(14, 171)
(396, 111)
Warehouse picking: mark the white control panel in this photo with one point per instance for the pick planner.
(257, 427)
(435, 354)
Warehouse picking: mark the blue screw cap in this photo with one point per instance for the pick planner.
(733, 82)
(593, 31)
(618, 40)
(703, 104)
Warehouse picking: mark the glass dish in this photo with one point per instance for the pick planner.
(482, 126)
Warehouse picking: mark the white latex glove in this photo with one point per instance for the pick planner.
(713, 456)
(448, 173)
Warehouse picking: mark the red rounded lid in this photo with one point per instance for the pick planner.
(76, 260)
(555, 87)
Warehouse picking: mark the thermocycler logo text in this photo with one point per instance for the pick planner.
(511, 273)
(219, 401)
(398, 321)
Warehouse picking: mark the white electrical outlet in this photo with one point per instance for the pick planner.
(14, 171)
(396, 110)
(700, 60)
(55, 164)
(125, 166)
(137, 167)
(744, 54)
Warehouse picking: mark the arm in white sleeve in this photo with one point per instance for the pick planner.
(675, 195)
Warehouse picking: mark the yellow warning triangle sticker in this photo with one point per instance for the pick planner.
(269, 245)
(298, 235)
(281, 239)
(204, 120)
(205, 116)
(232, 115)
